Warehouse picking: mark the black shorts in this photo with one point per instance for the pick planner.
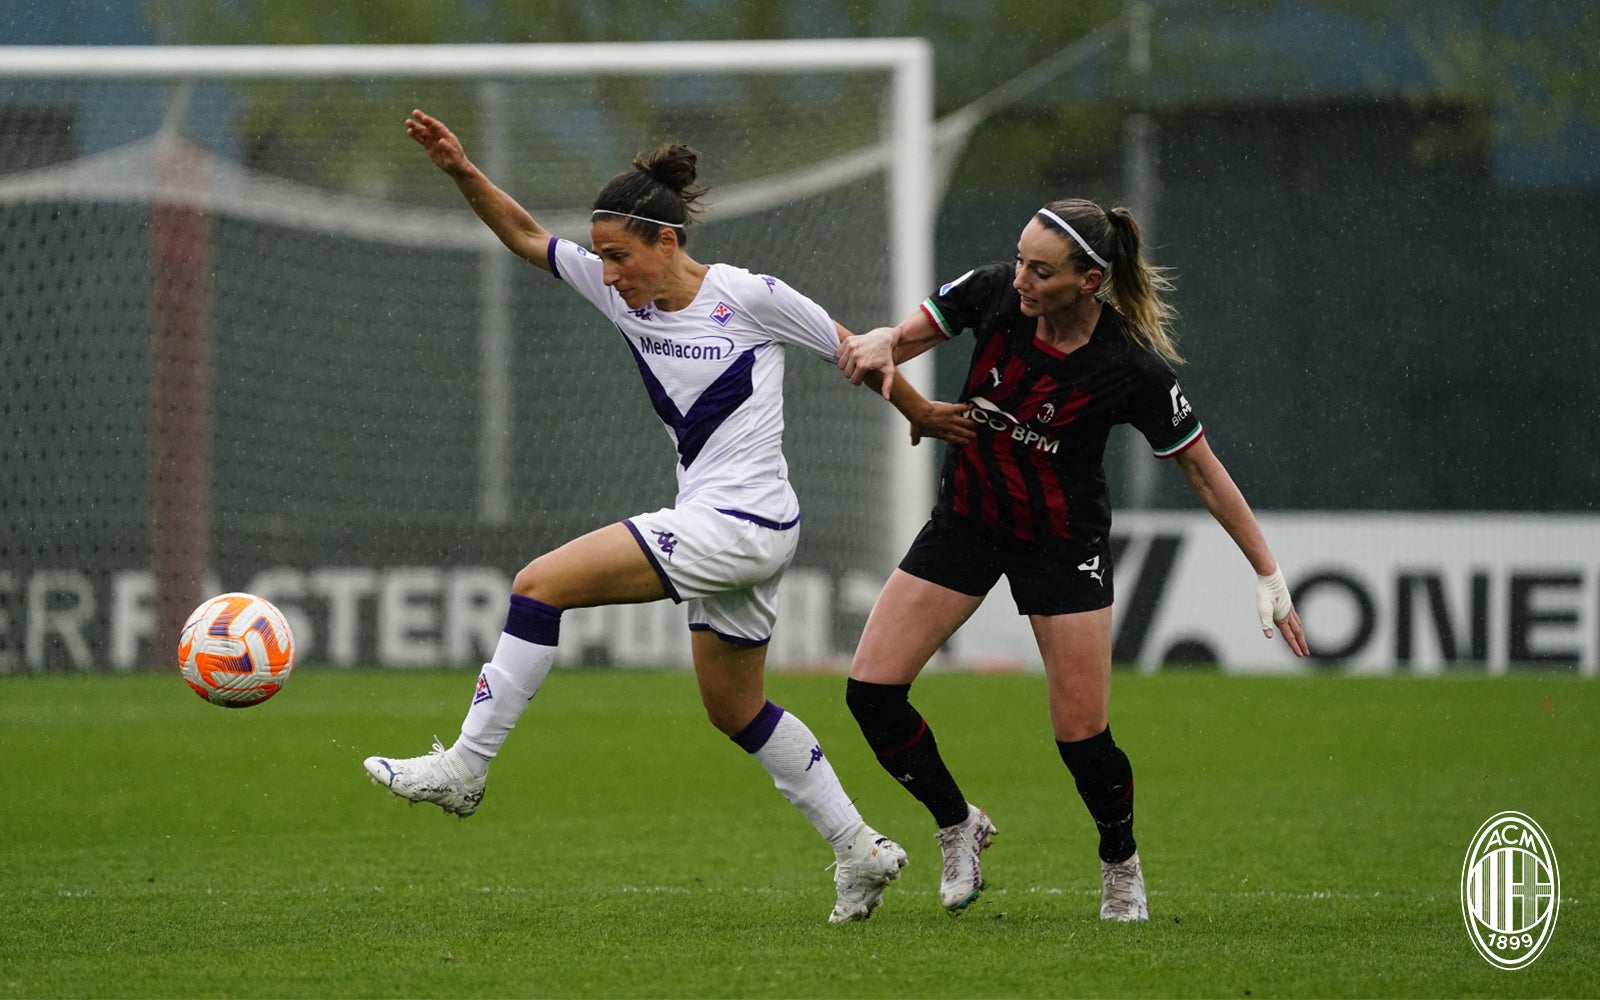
(1047, 578)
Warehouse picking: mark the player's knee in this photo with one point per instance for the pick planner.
(731, 715)
(532, 581)
(877, 706)
(1092, 751)
(725, 722)
(1080, 727)
(866, 700)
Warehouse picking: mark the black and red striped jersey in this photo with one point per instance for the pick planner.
(1036, 469)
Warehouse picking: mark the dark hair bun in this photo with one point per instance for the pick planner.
(674, 165)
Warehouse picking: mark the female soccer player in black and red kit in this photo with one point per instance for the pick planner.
(1071, 339)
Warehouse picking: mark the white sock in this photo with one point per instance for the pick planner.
(802, 773)
(505, 687)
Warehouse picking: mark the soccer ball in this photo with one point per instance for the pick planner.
(236, 650)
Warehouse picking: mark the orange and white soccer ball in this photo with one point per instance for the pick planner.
(236, 650)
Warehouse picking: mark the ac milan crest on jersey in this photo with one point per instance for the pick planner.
(483, 693)
(722, 313)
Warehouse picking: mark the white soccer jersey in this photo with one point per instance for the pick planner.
(714, 372)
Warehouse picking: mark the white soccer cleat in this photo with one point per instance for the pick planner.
(861, 873)
(438, 777)
(1122, 894)
(961, 844)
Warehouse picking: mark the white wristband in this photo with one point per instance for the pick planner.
(1272, 598)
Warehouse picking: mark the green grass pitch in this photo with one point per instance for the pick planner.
(1302, 837)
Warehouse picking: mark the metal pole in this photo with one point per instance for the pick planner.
(494, 333)
(911, 206)
(1139, 167)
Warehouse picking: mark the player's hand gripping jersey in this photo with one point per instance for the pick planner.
(714, 371)
(1035, 470)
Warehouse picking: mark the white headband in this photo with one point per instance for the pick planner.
(641, 218)
(1053, 217)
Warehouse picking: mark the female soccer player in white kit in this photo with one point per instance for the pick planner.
(708, 342)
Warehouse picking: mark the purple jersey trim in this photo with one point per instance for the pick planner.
(733, 640)
(716, 404)
(757, 519)
(755, 736)
(550, 255)
(655, 563)
(533, 621)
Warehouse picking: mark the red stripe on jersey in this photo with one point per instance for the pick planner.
(978, 378)
(1075, 402)
(958, 485)
(988, 497)
(1054, 493)
(973, 492)
(1016, 487)
(1041, 390)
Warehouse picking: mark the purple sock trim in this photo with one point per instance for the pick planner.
(533, 621)
(755, 736)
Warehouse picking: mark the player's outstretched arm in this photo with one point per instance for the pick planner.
(1217, 491)
(880, 350)
(930, 419)
(498, 210)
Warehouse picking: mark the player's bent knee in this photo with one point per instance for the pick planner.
(724, 722)
(1080, 728)
(533, 581)
(869, 702)
(730, 717)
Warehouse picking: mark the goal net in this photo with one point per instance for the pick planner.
(253, 340)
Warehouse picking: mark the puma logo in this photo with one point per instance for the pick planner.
(1092, 567)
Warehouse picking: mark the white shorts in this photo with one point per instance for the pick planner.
(724, 567)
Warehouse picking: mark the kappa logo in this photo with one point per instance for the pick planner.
(1510, 890)
(643, 314)
(666, 541)
(816, 755)
(722, 314)
(772, 283)
(994, 373)
(1092, 567)
(484, 693)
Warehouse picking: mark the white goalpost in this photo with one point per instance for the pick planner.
(251, 334)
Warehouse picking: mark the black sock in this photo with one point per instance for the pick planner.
(1105, 780)
(905, 746)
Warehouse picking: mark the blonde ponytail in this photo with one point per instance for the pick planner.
(1132, 285)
